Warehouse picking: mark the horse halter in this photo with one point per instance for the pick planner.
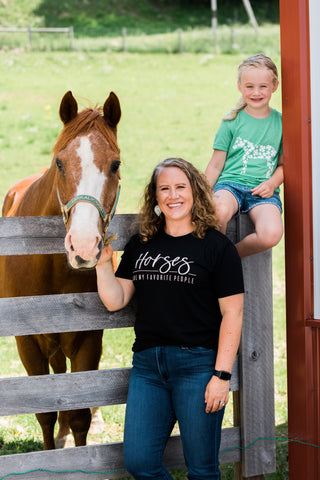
(106, 217)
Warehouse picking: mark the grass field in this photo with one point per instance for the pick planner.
(172, 106)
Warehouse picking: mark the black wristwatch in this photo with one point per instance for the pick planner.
(222, 374)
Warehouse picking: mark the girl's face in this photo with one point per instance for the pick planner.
(174, 194)
(256, 86)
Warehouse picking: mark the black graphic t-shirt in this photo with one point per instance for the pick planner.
(178, 282)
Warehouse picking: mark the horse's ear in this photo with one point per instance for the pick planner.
(68, 107)
(112, 110)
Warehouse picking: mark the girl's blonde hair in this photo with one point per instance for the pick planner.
(203, 211)
(255, 61)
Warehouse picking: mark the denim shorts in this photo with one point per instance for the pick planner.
(244, 197)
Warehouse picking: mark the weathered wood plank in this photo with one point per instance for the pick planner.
(106, 461)
(50, 393)
(28, 227)
(35, 235)
(256, 365)
(60, 313)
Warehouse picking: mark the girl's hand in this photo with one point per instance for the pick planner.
(106, 255)
(264, 189)
(216, 395)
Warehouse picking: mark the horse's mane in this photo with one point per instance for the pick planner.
(88, 119)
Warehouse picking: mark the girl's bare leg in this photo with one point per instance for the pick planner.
(268, 230)
(226, 206)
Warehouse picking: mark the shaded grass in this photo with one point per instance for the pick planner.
(103, 17)
(19, 445)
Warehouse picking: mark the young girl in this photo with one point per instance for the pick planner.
(246, 166)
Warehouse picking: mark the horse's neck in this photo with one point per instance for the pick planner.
(39, 197)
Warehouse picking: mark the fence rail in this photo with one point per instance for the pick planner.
(233, 38)
(252, 379)
(30, 30)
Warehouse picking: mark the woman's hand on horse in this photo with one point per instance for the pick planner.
(106, 255)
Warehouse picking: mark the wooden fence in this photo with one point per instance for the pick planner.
(249, 443)
(30, 30)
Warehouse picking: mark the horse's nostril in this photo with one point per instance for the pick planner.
(80, 260)
(71, 248)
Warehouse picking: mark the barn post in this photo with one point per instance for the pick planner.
(303, 339)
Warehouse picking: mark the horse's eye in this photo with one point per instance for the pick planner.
(59, 164)
(115, 166)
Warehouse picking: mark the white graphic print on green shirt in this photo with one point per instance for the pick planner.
(253, 147)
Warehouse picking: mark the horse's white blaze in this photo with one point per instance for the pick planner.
(83, 234)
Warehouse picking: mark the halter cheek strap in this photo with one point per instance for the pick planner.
(106, 217)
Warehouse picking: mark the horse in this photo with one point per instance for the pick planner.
(82, 184)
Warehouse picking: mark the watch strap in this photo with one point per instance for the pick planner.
(222, 374)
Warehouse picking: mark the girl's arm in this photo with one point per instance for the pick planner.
(266, 189)
(229, 339)
(114, 292)
(215, 166)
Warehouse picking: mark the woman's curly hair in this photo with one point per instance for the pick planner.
(203, 212)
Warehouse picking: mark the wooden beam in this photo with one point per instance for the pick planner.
(106, 459)
(248, 7)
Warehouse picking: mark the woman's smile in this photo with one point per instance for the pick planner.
(175, 197)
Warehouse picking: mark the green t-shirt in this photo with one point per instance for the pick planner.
(253, 147)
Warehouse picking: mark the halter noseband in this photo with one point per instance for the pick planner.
(106, 217)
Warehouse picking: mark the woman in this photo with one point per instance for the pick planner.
(187, 279)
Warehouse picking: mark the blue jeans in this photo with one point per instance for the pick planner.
(168, 384)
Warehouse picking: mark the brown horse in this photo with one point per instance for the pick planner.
(83, 182)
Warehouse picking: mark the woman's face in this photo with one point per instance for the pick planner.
(174, 194)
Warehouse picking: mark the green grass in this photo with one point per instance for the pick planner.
(238, 38)
(172, 106)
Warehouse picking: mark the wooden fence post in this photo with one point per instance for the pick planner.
(180, 40)
(232, 35)
(30, 37)
(256, 394)
(124, 39)
(71, 37)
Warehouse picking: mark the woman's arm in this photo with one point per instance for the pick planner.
(215, 166)
(114, 292)
(229, 339)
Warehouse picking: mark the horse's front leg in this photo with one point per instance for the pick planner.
(85, 358)
(63, 437)
(47, 422)
(36, 363)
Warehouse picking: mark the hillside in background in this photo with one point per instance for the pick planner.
(108, 17)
